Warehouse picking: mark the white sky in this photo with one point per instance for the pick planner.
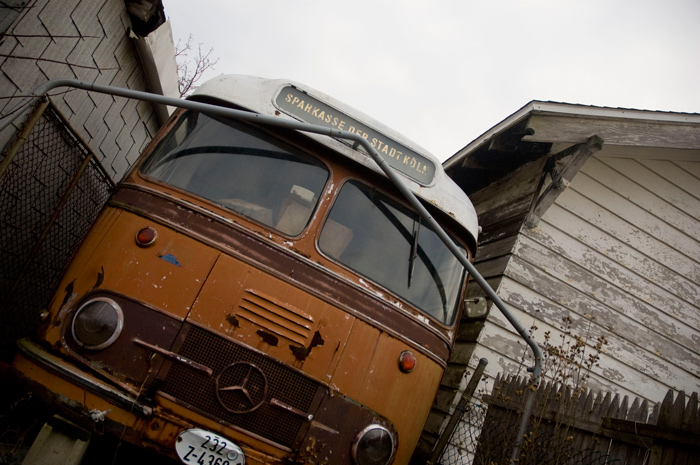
(442, 72)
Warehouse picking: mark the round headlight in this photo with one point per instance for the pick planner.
(97, 323)
(374, 445)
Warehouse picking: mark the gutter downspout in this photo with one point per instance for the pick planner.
(358, 139)
(157, 56)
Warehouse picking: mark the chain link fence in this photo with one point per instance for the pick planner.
(51, 190)
(483, 439)
(465, 438)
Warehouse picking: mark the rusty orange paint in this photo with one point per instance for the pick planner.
(378, 382)
(237, 301)
(167, 275)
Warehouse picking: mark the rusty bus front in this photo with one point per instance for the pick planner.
(258, 294)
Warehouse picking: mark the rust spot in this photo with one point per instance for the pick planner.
(302, 352)
(300, 252)
(312, 452)
(69, 291)
(268, 338)
(232, 320)
(100, 278)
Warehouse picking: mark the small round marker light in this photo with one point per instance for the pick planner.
(407, 361)
(146, 237)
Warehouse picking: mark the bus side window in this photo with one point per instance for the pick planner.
(295, 210)
(335, 239)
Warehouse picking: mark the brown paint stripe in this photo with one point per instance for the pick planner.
(281, 264)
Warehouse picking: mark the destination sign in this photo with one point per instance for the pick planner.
(309, 109)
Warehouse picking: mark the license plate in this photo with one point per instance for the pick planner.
(201, 447)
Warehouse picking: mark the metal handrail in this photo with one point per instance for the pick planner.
(337, 133)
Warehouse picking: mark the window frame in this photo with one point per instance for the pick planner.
(458, 294)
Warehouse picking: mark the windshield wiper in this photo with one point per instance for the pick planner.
(414, 250)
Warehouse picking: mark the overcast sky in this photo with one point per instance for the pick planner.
(444, 72)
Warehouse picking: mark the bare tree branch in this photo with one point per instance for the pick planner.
(190, 70)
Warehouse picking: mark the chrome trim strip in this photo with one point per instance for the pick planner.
(174, 357)
(290, 409)
(57, 366)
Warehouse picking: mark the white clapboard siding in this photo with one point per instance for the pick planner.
(620, 244)
(690, 167)
(550, 299)
(631, 343)
(654, 302)
(627, 225)
(636, 219)
(654, 182)
(671, 171)
(636, 265)
(504, 350)
(646, 196)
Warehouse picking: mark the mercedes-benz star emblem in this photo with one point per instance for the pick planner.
(241, 387)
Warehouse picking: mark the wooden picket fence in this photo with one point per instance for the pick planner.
(585, 427)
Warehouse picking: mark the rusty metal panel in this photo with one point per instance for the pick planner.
(168, 275)
(294, 327)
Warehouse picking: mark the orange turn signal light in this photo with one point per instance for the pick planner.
(407, 361)
(146, 237)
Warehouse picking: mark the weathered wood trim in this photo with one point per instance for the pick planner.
(494, 249)
(649, 433)
(493, 268)
(653, 153)
(517, 209)
(617, 131)
(518, 184)
(561, 179)
(507, 228)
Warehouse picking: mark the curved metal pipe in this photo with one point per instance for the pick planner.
(306, 127)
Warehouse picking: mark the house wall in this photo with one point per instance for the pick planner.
(501, 208)
(618, 253)
(86, 40)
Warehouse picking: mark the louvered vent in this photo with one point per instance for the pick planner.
(283, 321)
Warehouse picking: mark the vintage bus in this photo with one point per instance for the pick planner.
(258, 294)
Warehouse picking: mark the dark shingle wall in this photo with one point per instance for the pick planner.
(88, 40)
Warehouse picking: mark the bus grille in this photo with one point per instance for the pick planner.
(231, 364)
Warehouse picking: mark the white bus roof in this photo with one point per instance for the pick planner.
(421, 171)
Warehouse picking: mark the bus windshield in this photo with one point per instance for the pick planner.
(387, 243)
(223, 162)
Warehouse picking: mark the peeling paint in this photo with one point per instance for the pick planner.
(268, 338)
(423, 319)
(170, 258)
(69, 292)
(302, 352)
(100, 278)
(232, 320)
